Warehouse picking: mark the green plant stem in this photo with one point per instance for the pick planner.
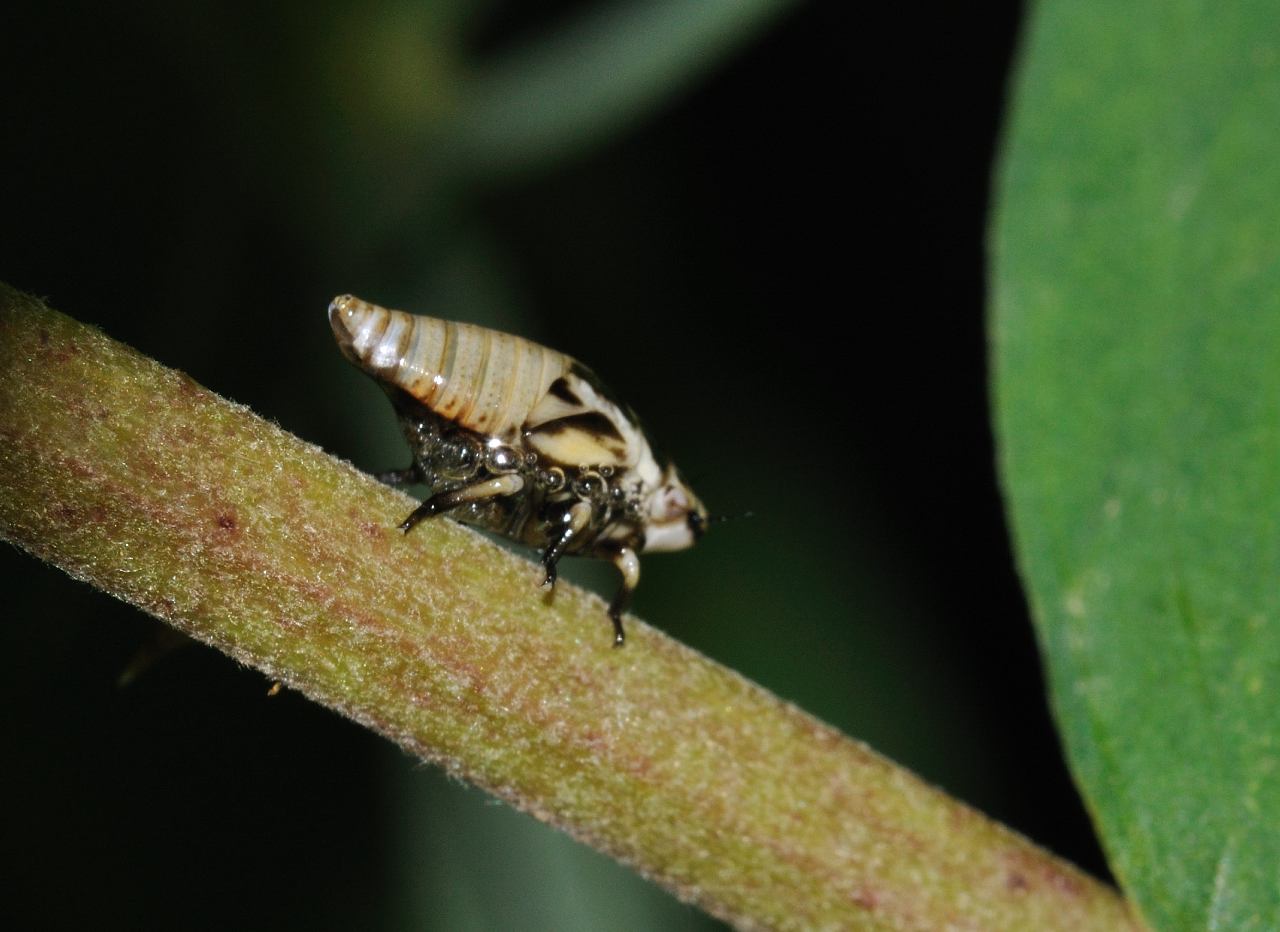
(596, 75)
(135, 479)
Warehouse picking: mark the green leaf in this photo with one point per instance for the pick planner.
(1137, 336)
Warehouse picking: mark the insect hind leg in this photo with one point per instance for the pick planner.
(476, 492)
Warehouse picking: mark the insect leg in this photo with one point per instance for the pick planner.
(628, 565)
(574, 521)
(438, 504)
(407, 476)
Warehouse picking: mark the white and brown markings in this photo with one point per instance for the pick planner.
(522, 440)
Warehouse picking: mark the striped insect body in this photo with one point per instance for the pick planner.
(522, 440)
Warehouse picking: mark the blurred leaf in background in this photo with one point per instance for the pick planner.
(1137, 327)
(762, 223)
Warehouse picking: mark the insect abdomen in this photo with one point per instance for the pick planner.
(481, 379)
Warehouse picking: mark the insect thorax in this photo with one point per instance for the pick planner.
(450, 457)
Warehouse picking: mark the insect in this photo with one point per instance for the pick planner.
(522, 440)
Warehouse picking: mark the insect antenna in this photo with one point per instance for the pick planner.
(720, 519)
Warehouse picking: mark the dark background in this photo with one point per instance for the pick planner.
(781, 266)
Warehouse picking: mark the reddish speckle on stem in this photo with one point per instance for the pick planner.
(1065, 883)
(188, 386)
(1024, 872)
(866, 899)
(74, 516)
(44, 337)
(227, 520)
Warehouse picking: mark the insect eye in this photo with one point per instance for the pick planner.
(696, 523)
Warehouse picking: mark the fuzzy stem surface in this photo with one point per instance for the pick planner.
(135, 479)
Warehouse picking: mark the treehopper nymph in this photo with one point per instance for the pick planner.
(522, 440)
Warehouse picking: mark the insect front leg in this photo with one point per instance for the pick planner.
(572, 523)
(628, 565)
(480, 491)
